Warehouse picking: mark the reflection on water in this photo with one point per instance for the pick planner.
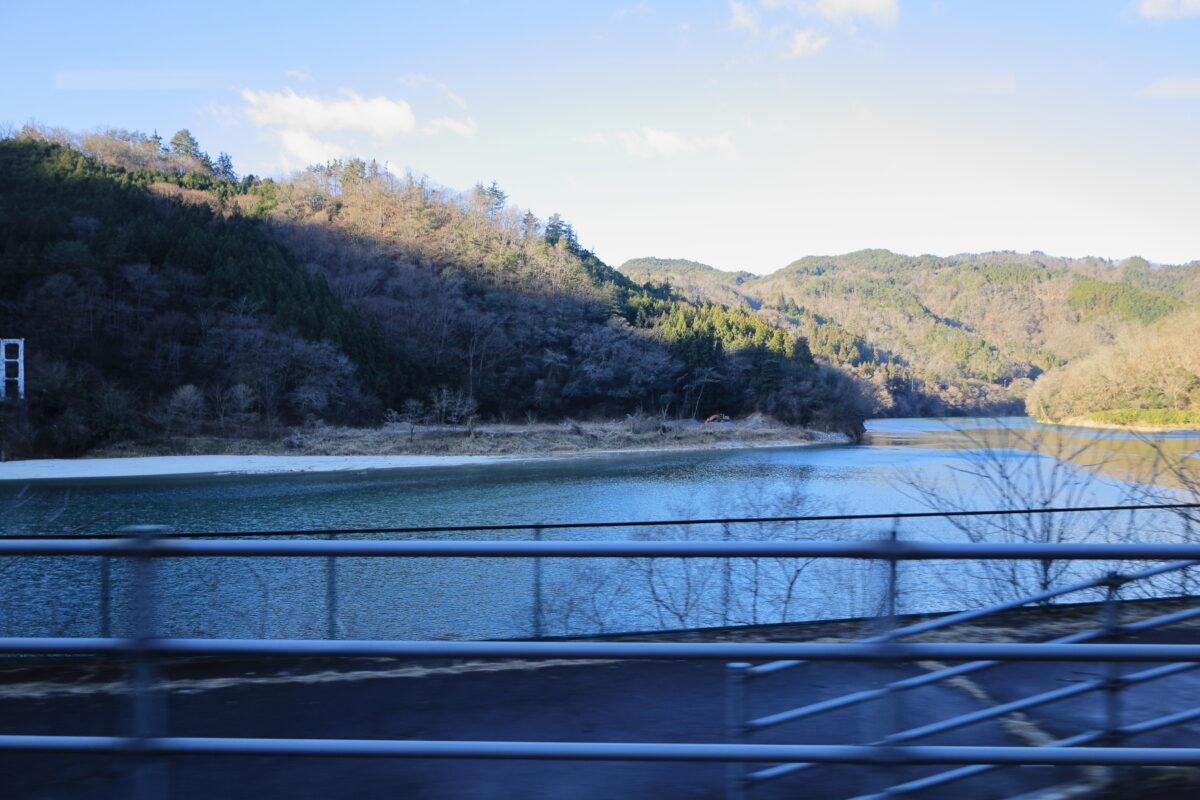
(904, 465)
(1152, 458)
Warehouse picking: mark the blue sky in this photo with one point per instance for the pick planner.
(742, 134)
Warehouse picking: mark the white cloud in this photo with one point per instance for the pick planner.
(379, 116)
(300, 76)
(743, 17)
(881, 12)
(1168, 9)
(309, 129)
(1177, 86)
(649, 142)
(301, 148)
(805, 44)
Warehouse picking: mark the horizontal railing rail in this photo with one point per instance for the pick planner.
(551, 526)
(609, 751)
(715, 651)
(881, 550)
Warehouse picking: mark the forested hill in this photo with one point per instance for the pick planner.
(1149, 377)
(160, 294)
(967, 333)
(691, 279)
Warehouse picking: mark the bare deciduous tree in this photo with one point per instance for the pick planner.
(185, 408)
(1007, 466)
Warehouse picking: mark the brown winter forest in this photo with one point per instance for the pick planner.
(161, 294)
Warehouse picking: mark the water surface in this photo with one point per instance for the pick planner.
(903, 465)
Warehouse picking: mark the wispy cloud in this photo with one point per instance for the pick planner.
(880, 12)
(646, 142)
(138, 79)
(415, 80)
(805, 44)
(812, 23)
(462, 127)
(297, 75)
(1168, 9)
(1175, 86)
(636, 10)
(743, 18)
(225, 114)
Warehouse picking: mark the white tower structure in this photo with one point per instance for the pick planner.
(12, 368)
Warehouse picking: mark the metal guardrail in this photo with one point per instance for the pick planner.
(146, 544)
(880, 550)
(659, 523)
(741, 729)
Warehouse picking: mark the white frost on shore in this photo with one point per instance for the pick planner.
(70, 469)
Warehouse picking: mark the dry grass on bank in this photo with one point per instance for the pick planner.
(494, 439)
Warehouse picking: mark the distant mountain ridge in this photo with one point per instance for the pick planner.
(939, 334)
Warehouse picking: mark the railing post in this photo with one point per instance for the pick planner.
(331, 595)
(105, 610)
(726, 580)
(539, 623)
(889, 721)
(149, 775)
(1114, 683)
(735, 727)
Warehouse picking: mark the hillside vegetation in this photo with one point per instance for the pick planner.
(159, 293)
(1148, 378)
(964, 334)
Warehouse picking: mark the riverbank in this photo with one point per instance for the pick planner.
(1132, 427)
(330, 449)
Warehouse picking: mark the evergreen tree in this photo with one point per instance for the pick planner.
(223, 168)
(184, 144)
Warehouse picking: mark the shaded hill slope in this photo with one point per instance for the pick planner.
(169, 298)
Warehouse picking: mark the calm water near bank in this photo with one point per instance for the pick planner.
(956, 459)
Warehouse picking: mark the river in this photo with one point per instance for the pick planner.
(902, 465)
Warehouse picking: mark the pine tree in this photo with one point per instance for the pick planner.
(184, 144)
(223, 168)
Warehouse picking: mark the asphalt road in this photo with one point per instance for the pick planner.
(622, 701)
